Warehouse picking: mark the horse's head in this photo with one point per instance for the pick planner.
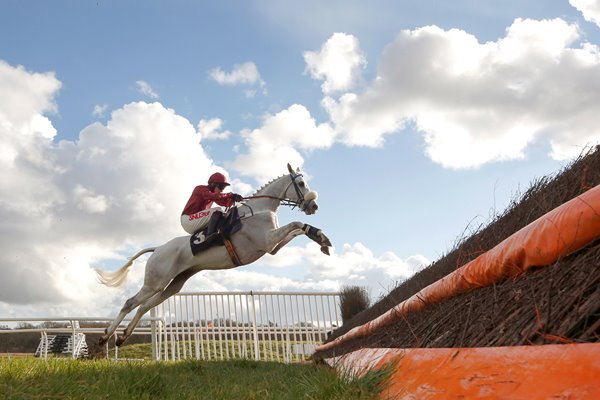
(299, 193)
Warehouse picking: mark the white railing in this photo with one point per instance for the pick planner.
(270, 326)
(73, 328)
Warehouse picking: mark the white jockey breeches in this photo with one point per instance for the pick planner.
(197, 221)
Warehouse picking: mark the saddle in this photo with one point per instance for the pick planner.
(229, 224)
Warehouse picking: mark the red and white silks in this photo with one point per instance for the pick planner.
(197, 221)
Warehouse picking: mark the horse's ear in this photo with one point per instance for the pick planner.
(290, 169)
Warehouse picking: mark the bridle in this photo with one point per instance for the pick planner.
(285, 200)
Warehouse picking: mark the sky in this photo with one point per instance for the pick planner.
(416, 122)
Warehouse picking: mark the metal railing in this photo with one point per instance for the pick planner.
(273, 326)
(73, 328)
(269, 326)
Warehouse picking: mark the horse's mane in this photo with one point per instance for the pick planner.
(268, 183)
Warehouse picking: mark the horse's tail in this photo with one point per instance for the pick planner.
(116, 278)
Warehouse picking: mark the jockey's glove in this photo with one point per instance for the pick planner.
(237, 198)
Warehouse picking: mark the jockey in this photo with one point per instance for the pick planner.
(198, 212)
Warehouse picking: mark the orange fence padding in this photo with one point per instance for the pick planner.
(569, 371)
(556, 234)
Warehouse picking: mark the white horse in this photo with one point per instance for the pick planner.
(173, 263)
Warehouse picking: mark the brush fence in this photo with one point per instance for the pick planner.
(268, 326)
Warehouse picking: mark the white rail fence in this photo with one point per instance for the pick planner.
(269, 326)
(71, 326)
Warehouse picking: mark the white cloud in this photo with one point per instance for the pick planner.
(339, 63)
(245, 280)
(589, 8)
(354, 265)
(67, 205)
(145, 88)
(242, 74)
(87, 200)
(279, 141)
(211, 129)
(99, 110)
(480, 102)
(25, 94)
(474, 102)
(249, 93)
(26, 135)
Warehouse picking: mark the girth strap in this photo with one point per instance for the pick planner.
(232, 253)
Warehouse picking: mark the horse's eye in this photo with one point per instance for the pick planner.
(302, 184)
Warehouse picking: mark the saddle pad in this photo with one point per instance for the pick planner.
(198, 242)
(230, 224)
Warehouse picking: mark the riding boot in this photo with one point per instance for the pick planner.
(212, 232)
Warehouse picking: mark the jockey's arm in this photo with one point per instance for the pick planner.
(222, 199)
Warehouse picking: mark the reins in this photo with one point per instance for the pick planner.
(284, 200)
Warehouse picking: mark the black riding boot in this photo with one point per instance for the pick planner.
(212, 231)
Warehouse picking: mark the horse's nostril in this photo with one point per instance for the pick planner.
(315, 207)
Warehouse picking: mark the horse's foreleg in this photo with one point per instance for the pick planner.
(278, 238)
(173, 288)
(286, 240)
(319, 237)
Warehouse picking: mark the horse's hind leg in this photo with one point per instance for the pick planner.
(173, 288)
(144, 294)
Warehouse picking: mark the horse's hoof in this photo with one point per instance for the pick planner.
(324, 240)
(103, 340)
(120, 340)
(325, 250)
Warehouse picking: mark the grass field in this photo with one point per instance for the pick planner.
(213, 350)
(59, 378)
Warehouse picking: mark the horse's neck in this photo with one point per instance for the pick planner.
(269, 195)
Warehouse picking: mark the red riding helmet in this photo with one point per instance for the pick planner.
(218, 177)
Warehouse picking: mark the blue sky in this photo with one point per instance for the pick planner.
(415, 121)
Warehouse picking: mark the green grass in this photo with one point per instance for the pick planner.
(139, 351)
(269, 350)
(30, 378)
